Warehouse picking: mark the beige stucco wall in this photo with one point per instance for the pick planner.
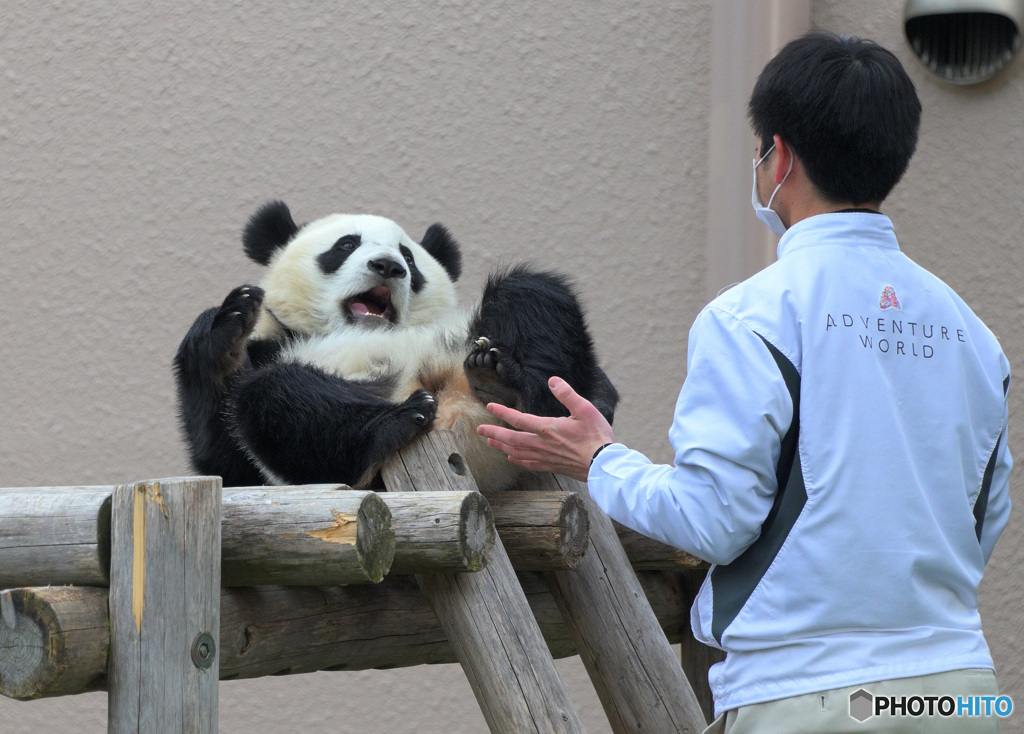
(136, 141)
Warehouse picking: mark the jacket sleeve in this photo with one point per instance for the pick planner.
(731, 416)
(997, 512)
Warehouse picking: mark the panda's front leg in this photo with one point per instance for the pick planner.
(306, 426)
(208, 360)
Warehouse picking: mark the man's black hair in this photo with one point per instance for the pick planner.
(847, 108)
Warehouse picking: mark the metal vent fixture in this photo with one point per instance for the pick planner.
(964, 41)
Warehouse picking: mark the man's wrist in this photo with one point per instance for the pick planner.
(599, 450)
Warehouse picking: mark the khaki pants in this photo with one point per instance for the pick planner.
(828, 712)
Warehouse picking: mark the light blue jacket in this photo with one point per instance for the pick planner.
(868, 391)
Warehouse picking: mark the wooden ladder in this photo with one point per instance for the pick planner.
(496, 638)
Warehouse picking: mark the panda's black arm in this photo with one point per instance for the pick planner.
(204, 378)
(308, 427)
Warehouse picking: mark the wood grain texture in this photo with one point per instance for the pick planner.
(55, 639)
(54, 535)
(541, 531)
(315, 535)
(648, 554)
(485, 615)
(640, 682)
(440, 531)
(164, 594)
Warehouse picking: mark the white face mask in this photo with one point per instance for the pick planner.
(764, 212)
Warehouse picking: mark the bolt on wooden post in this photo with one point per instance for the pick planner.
(165, 606)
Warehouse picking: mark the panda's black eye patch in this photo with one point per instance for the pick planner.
(335, 257)
(348, 243)
(417, 280)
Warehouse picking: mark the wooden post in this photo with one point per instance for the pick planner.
(60, 534)
(165, 606)
(635, 673)
(485, 614)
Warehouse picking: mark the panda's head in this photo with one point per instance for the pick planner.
(346, 271)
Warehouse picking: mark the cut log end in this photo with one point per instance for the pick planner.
(375, 539)
(477, 533)
(36, 660)
(27, 666)
(574, 523)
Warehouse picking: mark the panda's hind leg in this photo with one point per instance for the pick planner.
(529, 327)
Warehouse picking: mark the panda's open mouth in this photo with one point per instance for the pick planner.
(375, 302)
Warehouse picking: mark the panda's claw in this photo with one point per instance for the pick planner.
(423, 408)
(491, 373)
(231, 326)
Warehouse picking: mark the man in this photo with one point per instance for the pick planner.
(840, 436)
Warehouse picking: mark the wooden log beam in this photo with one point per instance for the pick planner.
(636, 675)
(54, 535)
(485, 615)
(306, 535)
(648, 554)
(316, 535)
(165, 606)
(440, 531)
(541, 531)
(54, 640)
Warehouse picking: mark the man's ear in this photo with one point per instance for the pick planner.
(784, 159)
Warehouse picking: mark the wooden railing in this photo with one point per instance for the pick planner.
(156, 590)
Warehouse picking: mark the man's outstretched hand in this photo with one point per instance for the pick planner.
(559, 445)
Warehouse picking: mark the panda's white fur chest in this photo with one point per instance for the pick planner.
(398, 355)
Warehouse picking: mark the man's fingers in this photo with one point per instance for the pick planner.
(572, 400)
(520, 450)
(505, 436)
(522, 421)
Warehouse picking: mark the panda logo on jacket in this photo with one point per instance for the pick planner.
(354, 344)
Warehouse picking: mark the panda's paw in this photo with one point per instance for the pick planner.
(421, 408)
(493, 375)
(232, 325)
(484, 356)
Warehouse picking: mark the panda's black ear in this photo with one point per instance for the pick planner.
(439, 242)
(268, 229)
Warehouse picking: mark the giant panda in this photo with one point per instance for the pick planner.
(354, 344)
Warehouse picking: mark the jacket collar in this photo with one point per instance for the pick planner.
(851, 229)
